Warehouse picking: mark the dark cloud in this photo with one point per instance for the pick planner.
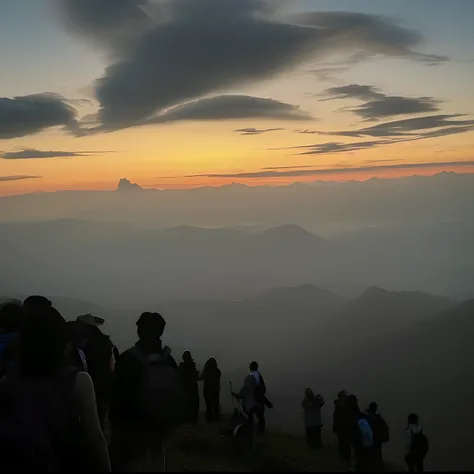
(413, 127)
(232, 107)
(32, 153)
(26, 115)
(257, 131)
(380, 105)
(400, 131)
(195, 48)
(390, 106)
(17, 177)
(338, 147)
(307, 132)
(115, 25)
(353, 91)
(335, 171)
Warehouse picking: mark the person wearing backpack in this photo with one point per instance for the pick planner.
(362, 438)
(48, 415)
(381, 434)
(253, 394)
(417, 445)
(148, 399)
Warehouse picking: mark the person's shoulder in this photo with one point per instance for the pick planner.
(82, 382)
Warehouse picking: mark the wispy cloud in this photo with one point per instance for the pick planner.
(33, 153)
(17, 177)
(413, 127)
(256, 131)
(379, 105)
(336, 171)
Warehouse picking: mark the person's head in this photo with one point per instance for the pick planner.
(373, 408)
(353, 404)
(211, 364)
(309, 394)
(36, 305)
(413, 419)
(342, 395)
(253, 366)
(187, 357)
(12, 317)
(42, 344)
(150, 327)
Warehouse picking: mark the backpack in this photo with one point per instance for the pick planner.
(380, 429)
(419, 444)
(162, 395)
(366, 434)
(35, 418)
(260, 391)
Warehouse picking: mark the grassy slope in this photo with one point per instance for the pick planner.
(203, 448)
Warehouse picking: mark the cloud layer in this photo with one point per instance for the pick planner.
(379, 105)
(334, 171)
(17, 177)
(33, 153)
(182, 50)
(257, 131)
(227, 107)
(31, 114)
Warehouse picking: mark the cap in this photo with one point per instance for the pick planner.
(91, 320)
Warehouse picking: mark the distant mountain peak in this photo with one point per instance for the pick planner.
(126, 186)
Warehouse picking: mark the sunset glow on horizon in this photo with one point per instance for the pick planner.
(395, 102)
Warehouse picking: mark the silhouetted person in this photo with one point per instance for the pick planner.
(416, 445)
(12, 317)
(254, 398)
(361, 435)
(189, 377)
(211, 375)
(148, 399)
(48, 413)
(381, 435)
(36, 305)
(312, 417)
(342, 425)
(98, 351)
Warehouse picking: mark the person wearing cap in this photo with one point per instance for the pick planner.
(98, 351)
(132, 431)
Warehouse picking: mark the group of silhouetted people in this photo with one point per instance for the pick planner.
(365, 433)
(190, 376)
(70, 402)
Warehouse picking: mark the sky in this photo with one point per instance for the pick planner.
(186, 93)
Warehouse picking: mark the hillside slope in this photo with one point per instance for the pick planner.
(207, 448)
